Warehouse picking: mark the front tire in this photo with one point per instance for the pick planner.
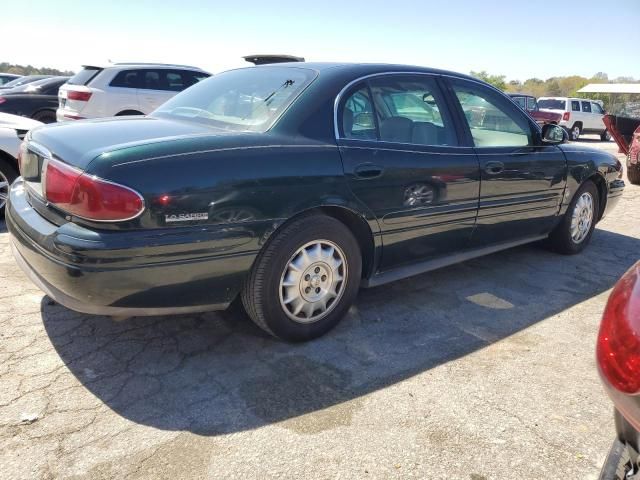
(305, 279)
(45, 116)
(574, 133)
(605, 136)
(574, 232)
(8, 174)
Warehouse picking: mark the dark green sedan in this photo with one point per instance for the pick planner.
(292, 186)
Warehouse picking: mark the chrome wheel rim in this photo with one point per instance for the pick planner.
(313, 281)
(4, 190)
(575, 132)
(582, 218)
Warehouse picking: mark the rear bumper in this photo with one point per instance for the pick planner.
(134, 274)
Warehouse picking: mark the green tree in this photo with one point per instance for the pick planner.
(498, 81)
(31, 70)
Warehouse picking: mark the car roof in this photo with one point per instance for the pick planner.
(141, 65)
(363, 69)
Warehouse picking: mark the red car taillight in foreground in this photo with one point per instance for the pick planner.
(89, 197)
(618, 349)
(77, 95)
(566, 116)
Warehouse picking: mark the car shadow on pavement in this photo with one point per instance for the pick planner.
(216, 373)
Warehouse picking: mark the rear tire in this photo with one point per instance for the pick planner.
(45, 116)
(8, 173)
(574, 232)
(305, 279)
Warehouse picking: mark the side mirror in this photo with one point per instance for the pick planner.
(554, 134)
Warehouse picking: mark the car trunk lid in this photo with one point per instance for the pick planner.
(622, 130)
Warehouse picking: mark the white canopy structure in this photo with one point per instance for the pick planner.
(611, 88)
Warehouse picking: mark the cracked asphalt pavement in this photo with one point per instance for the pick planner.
(483, 370)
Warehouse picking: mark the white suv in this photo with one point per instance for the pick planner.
(123, 89)
(579, 115)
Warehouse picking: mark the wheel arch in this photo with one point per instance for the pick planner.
(353, 220)
(129, 111)
(601, 185)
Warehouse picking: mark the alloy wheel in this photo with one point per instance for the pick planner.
(582, 218)
(313, 281)
(4, 190)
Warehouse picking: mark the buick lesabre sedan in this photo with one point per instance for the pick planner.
(291, 186)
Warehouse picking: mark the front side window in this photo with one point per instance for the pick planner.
(410, 110)
(493, 122)
(358, 116)
(248, 99)
(575, 106)
(531, 104)
(586, 107)
(596, 108)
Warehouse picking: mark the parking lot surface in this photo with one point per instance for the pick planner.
(483, 370)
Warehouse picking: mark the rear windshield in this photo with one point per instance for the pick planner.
(552, 104)
(249, 99)
(84, 76)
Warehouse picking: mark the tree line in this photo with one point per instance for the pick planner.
(6, 67)
(554, 86)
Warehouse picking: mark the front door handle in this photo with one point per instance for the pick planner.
(494, 168)
(368, 170)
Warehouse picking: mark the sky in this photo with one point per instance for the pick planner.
(516, 38)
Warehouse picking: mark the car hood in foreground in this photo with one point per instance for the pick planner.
(17, 122)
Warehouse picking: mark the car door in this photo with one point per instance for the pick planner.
(153, 90)
(589, 118)
(122, 93)
(403, 160)
(521, 181)
(598, 115)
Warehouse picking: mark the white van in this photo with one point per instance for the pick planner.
(579, 115)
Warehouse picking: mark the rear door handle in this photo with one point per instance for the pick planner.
(494, 168)
(368, 170)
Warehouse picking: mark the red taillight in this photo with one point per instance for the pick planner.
(89, 197)
(618, 349)
(2, 99)
(566, 116)
(76, 95)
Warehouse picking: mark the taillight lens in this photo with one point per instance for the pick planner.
(2, 99)
(618, 349)
(76, 95)
(89, 197)
(566, 116)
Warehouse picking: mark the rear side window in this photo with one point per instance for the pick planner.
(586, 107)
(575, 106)
(410, 110)
(357, 116)
(84, 76)
(531, 104)
(521, 101)
(552, 104)
(126, 79)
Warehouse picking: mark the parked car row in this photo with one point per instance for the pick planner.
(575, 115)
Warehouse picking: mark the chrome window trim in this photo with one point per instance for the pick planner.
(342, 92)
